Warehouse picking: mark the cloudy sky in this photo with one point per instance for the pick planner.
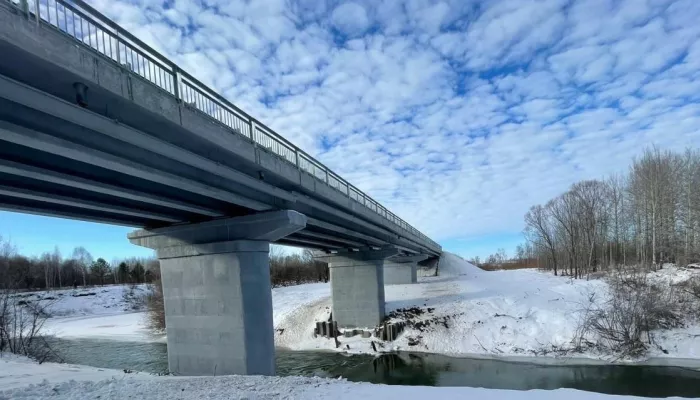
(457, 115)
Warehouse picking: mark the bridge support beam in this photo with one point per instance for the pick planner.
(216, 289)
(357, 286)
(402, 270)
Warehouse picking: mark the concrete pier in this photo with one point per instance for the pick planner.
(357, 286)
(216, 288)
(402, 270)
(400, 273)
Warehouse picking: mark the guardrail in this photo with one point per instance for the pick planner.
(92, 29)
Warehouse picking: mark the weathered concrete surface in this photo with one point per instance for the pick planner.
(400, 273)
(216, 289)
(357, 287)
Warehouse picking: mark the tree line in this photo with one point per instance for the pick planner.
(648, 216)
(52, 270)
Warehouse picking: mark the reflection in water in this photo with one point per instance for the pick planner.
(413, 369)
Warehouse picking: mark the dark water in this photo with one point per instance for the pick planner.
(413, 369)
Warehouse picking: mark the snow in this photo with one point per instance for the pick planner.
(21, 378)
(129, 327)
(19, 371)
(498, 313)
(670, 274)
(105, 300)
(502, 314)
(505, 314)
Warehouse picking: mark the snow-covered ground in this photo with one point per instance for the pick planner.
(21, 378)
(98, 300)
(470, 312)
(467, 312)
(463, 312)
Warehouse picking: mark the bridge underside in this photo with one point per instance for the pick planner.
(59, 159)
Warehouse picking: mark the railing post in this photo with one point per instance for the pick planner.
(252, 131)
(37, 12)
(24, 5)
(176, 83)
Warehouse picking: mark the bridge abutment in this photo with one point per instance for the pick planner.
(216, 290)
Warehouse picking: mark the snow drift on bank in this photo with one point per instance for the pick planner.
(23, 379)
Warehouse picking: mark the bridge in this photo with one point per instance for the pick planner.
(95, 125)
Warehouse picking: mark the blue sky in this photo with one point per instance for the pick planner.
(457, 115)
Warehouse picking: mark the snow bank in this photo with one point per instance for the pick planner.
(453, 265)
(97, 300)
(23, 379)
(470, 312)
(128, 327)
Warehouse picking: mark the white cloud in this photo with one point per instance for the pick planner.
(457, 115)
(350, 18)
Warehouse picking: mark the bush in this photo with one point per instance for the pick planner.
(135, 298)
(21, 326)
(692, 289)
(156, 307)
(623, 322)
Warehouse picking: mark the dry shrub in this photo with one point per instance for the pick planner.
(525, 264)
(623, 322)
(692, 289)
(22, 325)
(156, 307)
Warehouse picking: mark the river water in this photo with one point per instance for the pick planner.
(413, 369)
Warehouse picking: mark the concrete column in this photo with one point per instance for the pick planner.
(216, 288)
(357, 287)
(400, 273)
(402, 270)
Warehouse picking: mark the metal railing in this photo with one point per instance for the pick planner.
(90, 28)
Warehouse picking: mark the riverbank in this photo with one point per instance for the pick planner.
(521, 315)
(21, 378)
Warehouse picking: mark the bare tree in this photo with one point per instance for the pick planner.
(539, 230)
(649, 216)
(84, 261)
